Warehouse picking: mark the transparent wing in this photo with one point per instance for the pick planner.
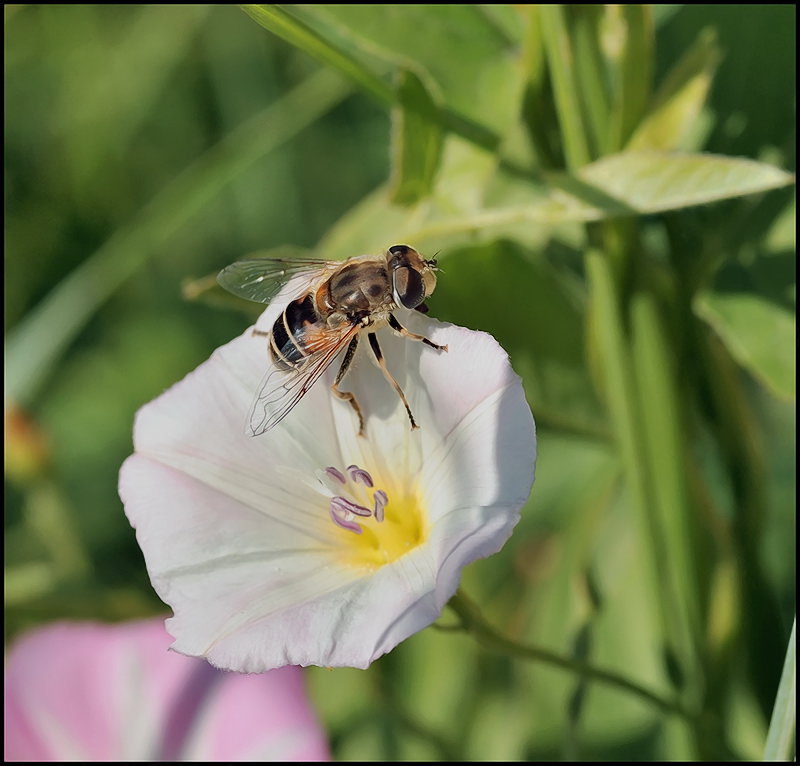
(282, 389)
(261, 279)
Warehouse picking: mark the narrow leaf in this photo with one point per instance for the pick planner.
(652, 182)
(781, 735)
(680, 98)
(417, 140)
(759, 334)
(561, 61)
(287, 27)
(629, 43)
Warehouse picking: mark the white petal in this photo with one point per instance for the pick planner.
(238, 540)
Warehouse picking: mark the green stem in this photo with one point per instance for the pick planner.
(558, 49)
(705, 727)
(473, 621)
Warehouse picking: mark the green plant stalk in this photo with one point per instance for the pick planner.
(276, 20)
(735, 432)
(36, 343)
(537, 104)
(590, 68)
(782, 727)
(474, 622)
(558, 50)
(281, 23)
(631, 69)
(665, 452)
(622, 397)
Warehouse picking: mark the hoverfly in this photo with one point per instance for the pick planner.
(335, 301)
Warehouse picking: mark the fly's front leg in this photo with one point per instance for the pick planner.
(376, 349)
(347, 395)
(400, 330)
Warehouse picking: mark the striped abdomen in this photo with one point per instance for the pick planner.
(293, 331)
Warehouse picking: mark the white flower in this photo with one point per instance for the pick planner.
(311, 545)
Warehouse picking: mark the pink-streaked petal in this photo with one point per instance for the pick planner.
(258, 718)
(89, 692)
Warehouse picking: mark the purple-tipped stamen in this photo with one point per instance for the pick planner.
(334, 473)
(381, 501)
(345, 506)
(359, 474)
(347, 513)
(344, 523)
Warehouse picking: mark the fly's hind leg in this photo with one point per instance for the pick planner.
(347, 395)
(376, 349)
(400, 330)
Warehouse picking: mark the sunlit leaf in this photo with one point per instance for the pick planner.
(760, 335)
(680, 98)
(475, 65)
(782, 729)
(652, 182)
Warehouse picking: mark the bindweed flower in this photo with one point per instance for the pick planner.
(310, 544)
(92, 692)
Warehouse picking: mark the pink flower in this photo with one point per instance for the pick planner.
(92, 692)
(310, 544)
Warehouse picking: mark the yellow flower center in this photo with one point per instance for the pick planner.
(379, 521)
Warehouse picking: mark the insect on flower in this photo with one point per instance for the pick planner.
(334, 302)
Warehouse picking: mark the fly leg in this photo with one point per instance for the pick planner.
(376, 349)
(400, 330)
(347, 395)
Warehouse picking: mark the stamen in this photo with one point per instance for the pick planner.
(347, 513)
(359, 474)
(344, 523)
(381, 501)
(345, 506)
(334, 473)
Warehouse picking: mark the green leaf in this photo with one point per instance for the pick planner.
(760, 335)
(652, 182)
(629, 43)
(563, 74)
(284, 25)
(781, 735)
(476, 66)
(680, 98)
(417, 140)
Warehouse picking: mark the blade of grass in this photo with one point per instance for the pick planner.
(276, 20)
(620, 389)
(665, 451)
(630, 43)
(590, 69)
(781, 735)
(37, 342)
(680, 98)
(558, 50)
(287, 27)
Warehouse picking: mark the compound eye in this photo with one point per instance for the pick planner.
(408, 287)
(398, 250)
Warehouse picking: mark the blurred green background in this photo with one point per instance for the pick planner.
(148, 146)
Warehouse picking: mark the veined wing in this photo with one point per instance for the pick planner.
(282, 389)
(261, 279)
